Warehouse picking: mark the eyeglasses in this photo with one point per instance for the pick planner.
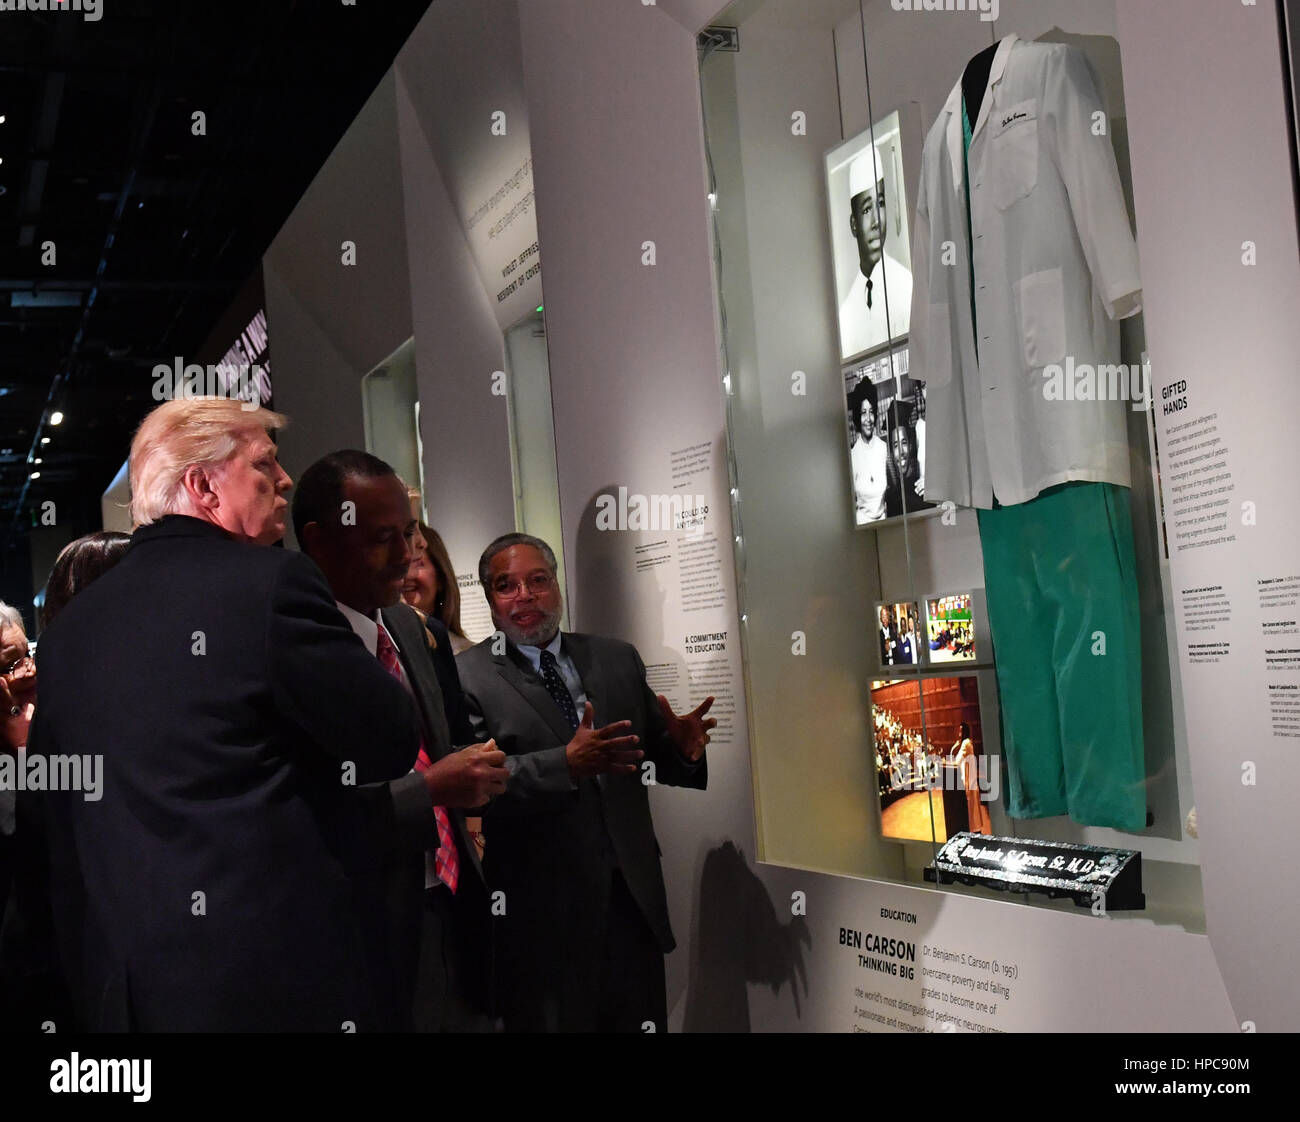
(506, 589)
(20, 661)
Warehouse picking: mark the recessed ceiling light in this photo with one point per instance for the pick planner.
(35, 475)
(38, 460)
(45, 440)
(56, 418)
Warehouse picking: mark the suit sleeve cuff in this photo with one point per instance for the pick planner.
(547, 770)
(413, 811)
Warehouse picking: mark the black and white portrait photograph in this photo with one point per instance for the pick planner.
(869, 238)
(886, 431)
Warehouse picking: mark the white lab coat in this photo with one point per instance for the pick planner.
(1055, 266)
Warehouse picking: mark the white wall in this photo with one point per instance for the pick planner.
(461, 67)
(116, 500)
(691, 14)
(458, 346)
(1217, 323)
(330, 322)
(634, 365)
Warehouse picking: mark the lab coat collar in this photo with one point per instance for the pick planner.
(952, 107)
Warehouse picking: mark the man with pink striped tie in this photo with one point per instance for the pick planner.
(352, 517)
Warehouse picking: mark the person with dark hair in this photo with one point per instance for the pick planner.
(571, 843)
(32, 987)
(888, 636)
(905, 491)
(868, 456)
(352, 517)
(79, 563)
(877, 305)
(214, 881)
(905, 651)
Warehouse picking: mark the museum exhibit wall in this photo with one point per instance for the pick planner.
(767, 871)
(332, 322)
(600, 186)
(115, 503)
(637, 396)
(461, 183)
(400, 185)
(1242, 764)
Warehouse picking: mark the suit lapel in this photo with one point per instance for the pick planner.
(532, 691)
(407, 630)
(420, 673)
(593, 679)
(593, 684)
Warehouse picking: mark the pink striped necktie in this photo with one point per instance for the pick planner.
(446, 862)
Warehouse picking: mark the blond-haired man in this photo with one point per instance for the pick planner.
(219, 882)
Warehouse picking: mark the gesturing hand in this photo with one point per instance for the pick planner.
(593, 751)
(689, 733)
(467, 778)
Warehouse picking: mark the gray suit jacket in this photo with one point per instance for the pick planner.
(552, 845)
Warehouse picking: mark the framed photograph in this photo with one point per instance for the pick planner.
(950, 630)
(934, 774)
(885, 412)
(869, 237)
(900, 635)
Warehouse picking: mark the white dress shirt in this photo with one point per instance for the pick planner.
(919, 429)
(863, 327)
(1055, 264)
(367, 629)
(869, 459)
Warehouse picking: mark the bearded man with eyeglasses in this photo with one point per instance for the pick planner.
(571, 843)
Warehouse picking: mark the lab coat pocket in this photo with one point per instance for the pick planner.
(1014, 152)
(1040, 298)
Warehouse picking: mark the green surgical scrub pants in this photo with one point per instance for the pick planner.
(1061, 581)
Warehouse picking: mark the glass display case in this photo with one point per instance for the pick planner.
(952, 538)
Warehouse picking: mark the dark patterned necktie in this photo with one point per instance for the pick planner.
(557, 689)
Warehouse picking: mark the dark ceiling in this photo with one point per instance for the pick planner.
(154, 228)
